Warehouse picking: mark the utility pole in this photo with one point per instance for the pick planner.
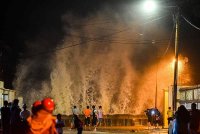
(156, 94)
(176, 60)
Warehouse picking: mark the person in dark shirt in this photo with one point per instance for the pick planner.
(78, 124)
(15, 120)
(5, 118)
(194, 119)
(181, 121)
(59, 124)
(94, 117)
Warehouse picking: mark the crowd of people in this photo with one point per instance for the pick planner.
(154, 117)
(94, 115)
(40, 119)
(37, 121)
(184, 121)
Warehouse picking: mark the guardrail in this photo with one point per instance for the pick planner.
(114, 120)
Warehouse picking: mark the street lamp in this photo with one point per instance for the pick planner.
(150, 6)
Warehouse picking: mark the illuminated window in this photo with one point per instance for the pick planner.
(189, 95)
(196, 94)
(182, 95)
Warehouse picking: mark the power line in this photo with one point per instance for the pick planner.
(117, 41)
(190, 23)
(78, 44)
(155, 19)
(169, 41)
(95, 39)
(91, 24)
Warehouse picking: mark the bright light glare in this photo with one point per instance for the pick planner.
(149, 6)
(152, 112)
(180, 64)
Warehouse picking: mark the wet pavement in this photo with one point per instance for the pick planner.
(119, 130)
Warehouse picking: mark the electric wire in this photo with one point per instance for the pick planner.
(155, 19)
(161, 43)
(91, 24)
(190, 23)
(169, 43)
(115, 41)
(92, 39)
(111, 21)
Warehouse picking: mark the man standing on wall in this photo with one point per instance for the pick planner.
(87, 113)
(75, 112)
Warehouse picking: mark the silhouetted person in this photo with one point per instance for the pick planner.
(15, 120)
(9, 104)
(5, 118)
(194, 119)
(37, 105)
(181, 122)
(78, 124)
(94, 117)
(149, 118)
(59, 124)
(156, 116)
(24, 114)
(75, 111)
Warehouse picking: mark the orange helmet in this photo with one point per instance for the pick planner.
(48, 104)
(37, 103)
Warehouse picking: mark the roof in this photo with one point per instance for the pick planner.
(189, 87)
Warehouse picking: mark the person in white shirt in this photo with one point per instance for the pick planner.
(75, 112)
(100, 115)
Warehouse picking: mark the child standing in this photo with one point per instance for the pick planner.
(59, 124)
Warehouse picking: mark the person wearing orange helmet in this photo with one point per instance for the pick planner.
(42, 121)
(37, 105)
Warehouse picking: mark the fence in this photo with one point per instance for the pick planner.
(114, 120)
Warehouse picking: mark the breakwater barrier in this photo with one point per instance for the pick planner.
(114, 120)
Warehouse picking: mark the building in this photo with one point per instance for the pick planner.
(6, 94)
(186, 95)
(189, 95)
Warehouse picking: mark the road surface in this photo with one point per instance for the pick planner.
(120, 130)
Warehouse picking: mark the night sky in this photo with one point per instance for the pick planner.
(29, 20)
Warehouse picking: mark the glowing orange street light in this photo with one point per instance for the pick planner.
(180, 65)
